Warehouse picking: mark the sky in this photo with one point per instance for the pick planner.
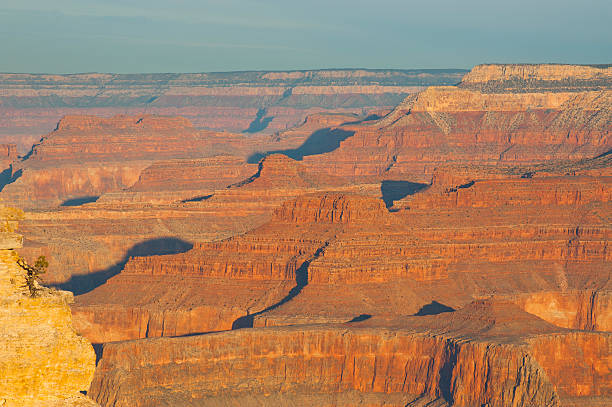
(134, 36)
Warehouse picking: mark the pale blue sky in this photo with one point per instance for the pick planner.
(65, 36)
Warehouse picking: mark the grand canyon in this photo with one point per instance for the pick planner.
(309, 238)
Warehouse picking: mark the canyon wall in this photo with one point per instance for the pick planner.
(544, 191)
(336, 363)
(8, 155)
(586, 310)
(145, 161)
(158, 215)
(453, 125)
(316, 361)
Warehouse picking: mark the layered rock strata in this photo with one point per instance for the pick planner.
(466, 358)
(31, 105)
(541, 191)
(470, 123)
(440, 125)
(449, 124)
(159, 216)
(174, 181)
(574, 309)
(87, 156)
(392, 261)
(550, 77)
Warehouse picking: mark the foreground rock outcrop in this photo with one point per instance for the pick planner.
(43, 362)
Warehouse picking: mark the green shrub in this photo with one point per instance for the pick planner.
(33, 273)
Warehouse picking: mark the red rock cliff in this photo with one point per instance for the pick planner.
(442, 361)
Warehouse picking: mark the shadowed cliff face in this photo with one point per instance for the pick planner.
(80, 201)
(260, 122)
(433, 308)
(301, 281)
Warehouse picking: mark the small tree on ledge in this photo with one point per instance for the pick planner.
(33, 273)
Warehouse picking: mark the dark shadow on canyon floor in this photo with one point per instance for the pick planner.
(468, 185)
(320, 142)
(84, 283)
(197, 198)
(395, 190)
(82, 200)
(8, 177)
(368, 118)
(362, 317)
(433, 308)
(260, 122)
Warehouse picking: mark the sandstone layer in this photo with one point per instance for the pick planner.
(226, 280)
(440, 125)
(43, 361)
(188, 180)
(551, 77)
(158, 216)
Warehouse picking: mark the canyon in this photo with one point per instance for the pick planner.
(451, 248)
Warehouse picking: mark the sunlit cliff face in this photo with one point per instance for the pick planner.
(43, 359)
